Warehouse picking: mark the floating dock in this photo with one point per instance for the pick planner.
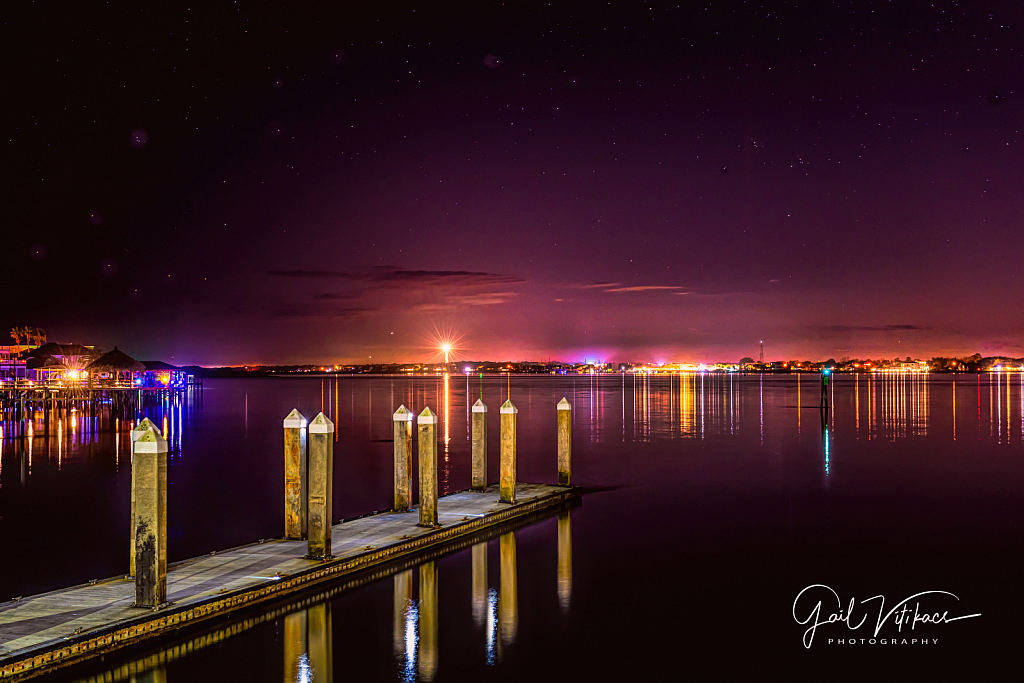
(43, 632)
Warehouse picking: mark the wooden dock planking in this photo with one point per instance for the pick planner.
(62, 627)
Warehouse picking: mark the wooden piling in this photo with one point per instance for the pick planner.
(507, 482)
(403, 459)
(564, 442)
(479, 481)
(141, 429)
(427, 425)
(295, 476)
(150, 468)
(320, 508)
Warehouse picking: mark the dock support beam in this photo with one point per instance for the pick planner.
(150, 471)
(321, 483)
(135, 434)
(428, 468)
(564, 442)
(403, 459)
(479, 446)
(507, 483)
(295, 476)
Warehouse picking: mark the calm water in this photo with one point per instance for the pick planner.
(712, 502)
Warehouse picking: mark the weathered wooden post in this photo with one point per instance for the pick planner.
(479, 446)
(150, 469)
(564, 442)
(428, 621)
(479, 583)
(321, 479)
(428, 468)
(139, 430)
(295, 476)
(403, 459)
(508, 599)
(564, 559)
(507, 484)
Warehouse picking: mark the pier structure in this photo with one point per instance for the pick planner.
(68, 626)
(27, 407)
(307, 620)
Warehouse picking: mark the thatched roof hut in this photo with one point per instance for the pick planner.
(115, 361)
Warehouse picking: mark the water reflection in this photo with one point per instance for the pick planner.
(872, 406)
(306, 628)
(46, 437)
(309, 645)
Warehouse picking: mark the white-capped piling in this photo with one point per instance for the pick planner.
(149, 466)
(479, 481)
(320, 507)
(507, 480)
(135, 434)
(403, 459)
(564, 442)
(295, 476)
(427, 427)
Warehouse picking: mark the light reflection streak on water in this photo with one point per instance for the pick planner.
(492, 626)
(447, 435)
(825, 439)
(412, 639)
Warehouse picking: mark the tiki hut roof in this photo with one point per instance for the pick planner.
(55, 349)
(115, 361)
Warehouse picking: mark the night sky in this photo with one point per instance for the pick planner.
(269, 182)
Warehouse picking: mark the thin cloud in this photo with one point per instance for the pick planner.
(592, 285)
(454, 278)
(455, 302)
(643, 288)
(389, 276)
